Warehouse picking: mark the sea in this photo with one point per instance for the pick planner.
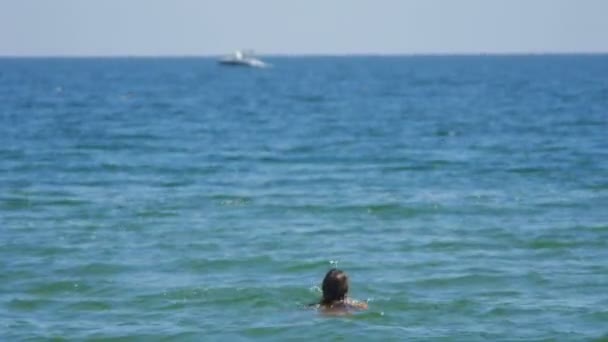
(175, 199)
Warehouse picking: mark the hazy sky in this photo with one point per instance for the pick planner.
(198, 27)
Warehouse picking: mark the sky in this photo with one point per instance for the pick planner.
(211, 27)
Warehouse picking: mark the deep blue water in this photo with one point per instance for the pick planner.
(175, 199)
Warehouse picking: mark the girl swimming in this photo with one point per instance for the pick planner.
(335, 290)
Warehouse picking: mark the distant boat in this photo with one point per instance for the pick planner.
(241, 58)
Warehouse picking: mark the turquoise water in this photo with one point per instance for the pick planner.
(174, 199)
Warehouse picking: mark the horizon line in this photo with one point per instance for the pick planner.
(319, 54)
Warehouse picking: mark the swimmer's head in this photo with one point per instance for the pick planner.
(335, 286)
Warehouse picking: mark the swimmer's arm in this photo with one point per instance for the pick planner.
(359, 305)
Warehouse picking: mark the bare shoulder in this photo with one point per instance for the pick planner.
(357, 304)
(345, 307)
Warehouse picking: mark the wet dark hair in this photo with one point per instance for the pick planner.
(335, 287)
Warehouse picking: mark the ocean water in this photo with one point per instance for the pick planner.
(178, 200)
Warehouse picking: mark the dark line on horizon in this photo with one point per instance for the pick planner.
(270, 54)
